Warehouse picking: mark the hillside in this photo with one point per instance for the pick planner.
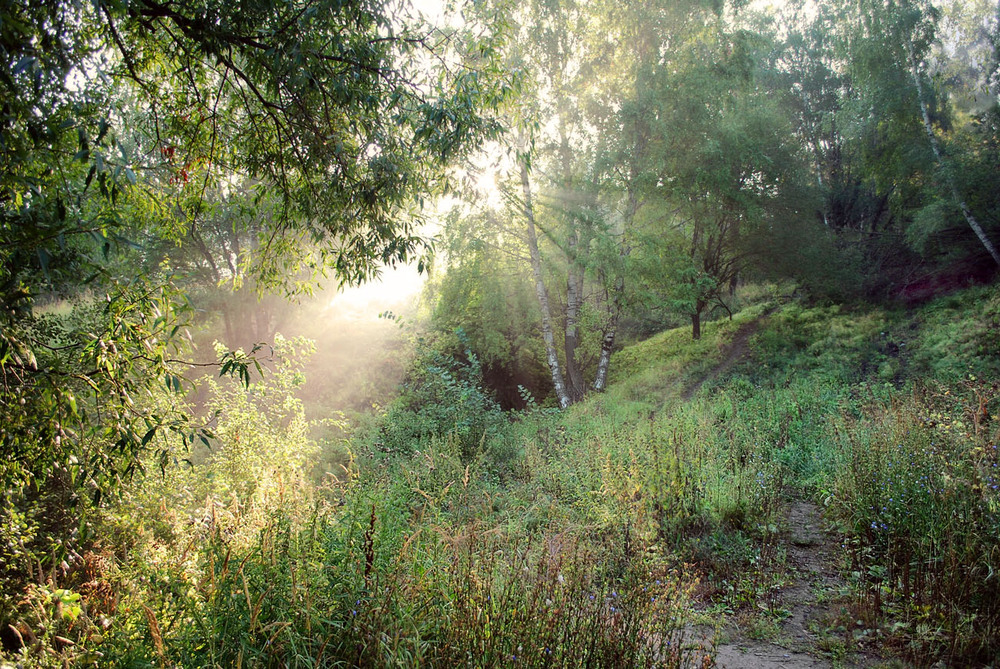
(804, 486)
(879, 421)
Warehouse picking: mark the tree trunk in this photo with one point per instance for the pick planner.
(938, 156)
(574, 272)
(227, 319)
(610, 332)
(542, 293)
(696, 324)
(574, 299)
(617, 293)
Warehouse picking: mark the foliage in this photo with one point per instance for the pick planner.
(272, 141)
(482, 293)
(444, 399)
(671, 485)
(162, 160)
(917, 484)
(239, 560)
(262, 438)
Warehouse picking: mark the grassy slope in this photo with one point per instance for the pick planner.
(885, 417)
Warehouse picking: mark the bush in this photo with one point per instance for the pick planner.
(442, 398)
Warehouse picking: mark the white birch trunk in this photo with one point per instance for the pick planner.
(608, 342)
(542, 293)
(935, 147)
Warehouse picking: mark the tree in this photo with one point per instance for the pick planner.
(583, 165)
(484, 302)
(921, 31)
(213, 262)
(905, 159)
(123, 119)
(724, 169)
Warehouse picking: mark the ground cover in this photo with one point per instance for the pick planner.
(805, 486)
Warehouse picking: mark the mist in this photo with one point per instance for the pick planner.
(361, 352)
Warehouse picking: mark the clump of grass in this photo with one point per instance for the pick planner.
(555, 606)
(674, 358)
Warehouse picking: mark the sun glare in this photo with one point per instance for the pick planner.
(396, 290)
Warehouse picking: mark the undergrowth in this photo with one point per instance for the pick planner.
(918, 487)
(450, 533)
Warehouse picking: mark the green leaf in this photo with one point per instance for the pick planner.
(102, 131)
(43, 260)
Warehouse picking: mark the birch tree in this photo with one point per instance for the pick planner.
(920, 35)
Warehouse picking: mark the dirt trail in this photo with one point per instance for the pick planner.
(808, 596)
(735, 351)
(811, 555)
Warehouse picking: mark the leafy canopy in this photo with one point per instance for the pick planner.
(320, 123)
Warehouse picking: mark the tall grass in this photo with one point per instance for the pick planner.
(918, 484)
(357, 586)
(463, 536)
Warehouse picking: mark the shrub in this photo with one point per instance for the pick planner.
(443, 397)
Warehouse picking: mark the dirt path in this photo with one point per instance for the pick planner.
(734, 353)
(810, 559)
(807, 597)
(803, 638)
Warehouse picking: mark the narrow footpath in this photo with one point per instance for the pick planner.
(810, 598)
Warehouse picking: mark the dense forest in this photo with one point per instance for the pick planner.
(691, 358)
